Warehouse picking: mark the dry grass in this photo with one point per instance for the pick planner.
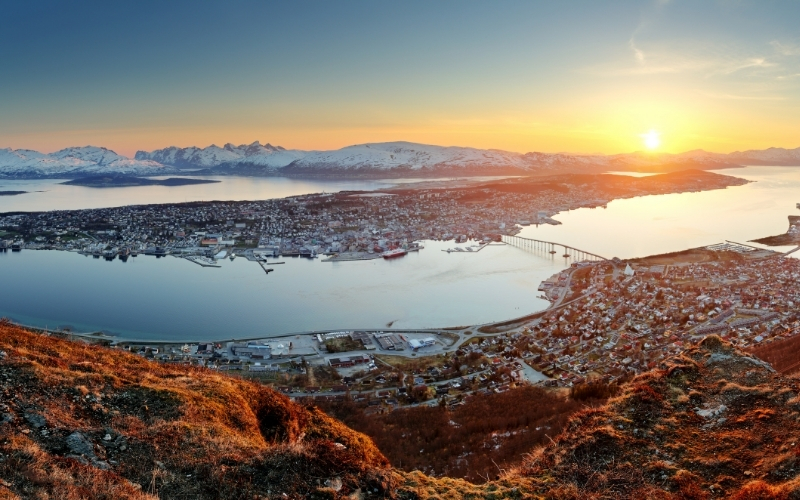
(179, 431)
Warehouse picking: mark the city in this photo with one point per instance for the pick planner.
(344, 225)
(314, 250)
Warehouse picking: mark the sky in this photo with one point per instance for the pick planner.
(573, 76)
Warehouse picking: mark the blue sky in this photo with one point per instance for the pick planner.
(523, 76)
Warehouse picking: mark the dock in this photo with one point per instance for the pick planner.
(351, 256)
(468, 249)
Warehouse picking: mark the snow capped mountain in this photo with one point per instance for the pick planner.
(229, 156)
(770, 156)
(407, 157)
(73, 162)
(564, 161)
(416, 156)
(388, 159)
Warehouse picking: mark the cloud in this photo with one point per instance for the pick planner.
(638, 54)
(733, 66)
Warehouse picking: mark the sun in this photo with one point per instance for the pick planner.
(652, 139)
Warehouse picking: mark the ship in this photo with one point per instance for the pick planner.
(391, 254)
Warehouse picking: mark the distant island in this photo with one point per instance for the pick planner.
(11, 193)
(106, 181)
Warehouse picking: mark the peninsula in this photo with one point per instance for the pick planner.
(358, 224)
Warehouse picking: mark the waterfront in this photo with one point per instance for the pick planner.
(173, 298)
(169, 297)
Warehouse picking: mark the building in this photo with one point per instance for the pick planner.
(347, 361)
(417, 344)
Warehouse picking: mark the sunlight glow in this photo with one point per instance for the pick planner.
(652, 139)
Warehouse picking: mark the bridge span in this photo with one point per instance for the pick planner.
(550, 247)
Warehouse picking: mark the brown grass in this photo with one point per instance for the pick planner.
(180, 432)
(188, 432)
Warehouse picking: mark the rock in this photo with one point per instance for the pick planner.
(36, 420)
(334, 483)
(80, 445)
(107, 437)
(711, 412)
(7, 418)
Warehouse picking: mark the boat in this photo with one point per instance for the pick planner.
(124, 252)
(233, 256)
(391, 254)
(110, 254)
(16, 246)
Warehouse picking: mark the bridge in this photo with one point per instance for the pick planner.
(550, 247)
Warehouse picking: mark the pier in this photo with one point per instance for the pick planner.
(550, 247)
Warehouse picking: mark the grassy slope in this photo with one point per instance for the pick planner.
(177, 431)
(191, 433)
(650, 442)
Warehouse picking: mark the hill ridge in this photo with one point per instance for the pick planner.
(81, 421)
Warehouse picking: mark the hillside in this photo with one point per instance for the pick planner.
(711, 423)
(81, 421)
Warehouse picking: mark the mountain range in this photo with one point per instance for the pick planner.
(388, 159)
(73, 162)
